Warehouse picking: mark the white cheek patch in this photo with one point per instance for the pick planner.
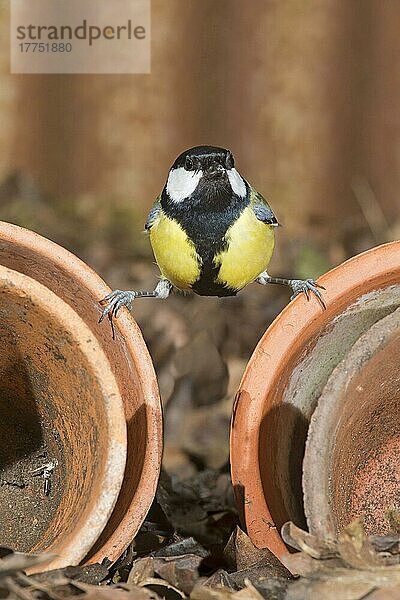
(182, 183)
(237, 183)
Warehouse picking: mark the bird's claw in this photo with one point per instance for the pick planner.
(114, 301)
(306, 286)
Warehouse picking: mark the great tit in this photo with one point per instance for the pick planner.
(211, 233)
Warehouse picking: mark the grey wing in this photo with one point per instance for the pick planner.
(263, 211)
(153, 215)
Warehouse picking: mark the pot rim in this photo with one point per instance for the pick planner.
(146, 380)
(344, 283)
(92, 522)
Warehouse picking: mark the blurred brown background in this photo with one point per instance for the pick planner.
(307, 95)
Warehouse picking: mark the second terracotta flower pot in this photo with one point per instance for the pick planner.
(284, 379)
(79, 288)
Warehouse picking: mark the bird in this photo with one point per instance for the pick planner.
(211, 233)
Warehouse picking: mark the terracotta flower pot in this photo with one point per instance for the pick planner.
(351, 465)
(284, 379)
(130, 368)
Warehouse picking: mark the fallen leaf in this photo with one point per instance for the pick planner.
(388, 593)
(328, 590)
(249, 592)
(201, 592)
(302, 540)
(118, 593)
(182, 572)
(257, 575)
(393, 517)
(220, 579)
(303, 564)
(11, 562)
(183, 547)
(202, 507)
(216, 587)
(162, 588)
(142, 569)
(386, 543)
(355, 548)
(92, 574)
(247, 555)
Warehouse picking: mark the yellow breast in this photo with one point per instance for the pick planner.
(174, 252)
(250, 247)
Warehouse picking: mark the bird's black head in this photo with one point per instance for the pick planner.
(207, 170)
(212, 161)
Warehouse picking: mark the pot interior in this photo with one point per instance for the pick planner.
(306, 376)
(365, 463)
(53, 412)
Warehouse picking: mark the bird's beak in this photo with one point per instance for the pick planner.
(215, 171)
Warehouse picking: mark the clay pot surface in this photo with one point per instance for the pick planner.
(57, 390)
(351, 465)
(284, 379)
(79, 287)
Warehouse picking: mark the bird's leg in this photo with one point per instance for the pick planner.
(298, 286)
(114, 301)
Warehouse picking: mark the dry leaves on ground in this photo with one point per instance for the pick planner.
(353, 567)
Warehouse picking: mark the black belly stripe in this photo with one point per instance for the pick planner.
(206, 221)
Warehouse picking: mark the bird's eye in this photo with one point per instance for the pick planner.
(229, 161)
(189, 164)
